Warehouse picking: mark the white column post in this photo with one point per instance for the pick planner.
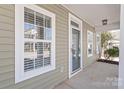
(121, 56)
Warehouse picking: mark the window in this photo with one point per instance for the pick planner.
(89, 43)
(97, 43)
(34, 41)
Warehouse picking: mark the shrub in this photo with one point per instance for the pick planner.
(112, 52)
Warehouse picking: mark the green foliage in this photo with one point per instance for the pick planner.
(105, 37)
(112, 52)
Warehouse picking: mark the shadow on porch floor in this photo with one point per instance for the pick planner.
(96, 76)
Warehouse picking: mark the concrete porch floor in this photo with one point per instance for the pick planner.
(96, 76)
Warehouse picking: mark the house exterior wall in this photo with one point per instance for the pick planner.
(92, 59)
(7, 49)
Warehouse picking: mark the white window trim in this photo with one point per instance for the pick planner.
(89, 55)
(97, 43)
(20, 75)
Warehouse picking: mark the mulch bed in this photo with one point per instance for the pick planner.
(108, 61)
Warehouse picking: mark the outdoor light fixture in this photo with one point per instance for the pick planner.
(104, 22)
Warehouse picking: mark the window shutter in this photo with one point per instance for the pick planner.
(28, 64)
(37, 49)
(39, 58)
(47, 53)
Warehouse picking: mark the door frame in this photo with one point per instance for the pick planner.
(78, 21)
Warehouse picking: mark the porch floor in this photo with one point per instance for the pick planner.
(96, 76)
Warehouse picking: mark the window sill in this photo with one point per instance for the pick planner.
(34, 73)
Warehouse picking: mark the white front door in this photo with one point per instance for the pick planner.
(75, 45)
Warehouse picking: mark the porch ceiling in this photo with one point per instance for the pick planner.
(95, 13)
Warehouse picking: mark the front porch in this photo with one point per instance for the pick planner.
(97, 76)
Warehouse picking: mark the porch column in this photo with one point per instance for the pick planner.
(121, 62)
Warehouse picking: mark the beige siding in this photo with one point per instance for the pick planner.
(6, 44)
(88, 60)
(7, 38)
(7, 71)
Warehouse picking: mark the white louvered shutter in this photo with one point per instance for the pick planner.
(37, 42)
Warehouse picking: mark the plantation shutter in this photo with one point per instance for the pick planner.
(37, 40)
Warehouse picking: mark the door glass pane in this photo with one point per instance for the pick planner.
(90, 48)
(74, 24)
(75, 49)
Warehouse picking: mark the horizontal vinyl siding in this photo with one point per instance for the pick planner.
(88, 60)
(7, 12)
(9, 7)
(6, 47)
(7, 44)
(6, 27)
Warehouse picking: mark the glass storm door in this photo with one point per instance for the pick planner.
(75, 50)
